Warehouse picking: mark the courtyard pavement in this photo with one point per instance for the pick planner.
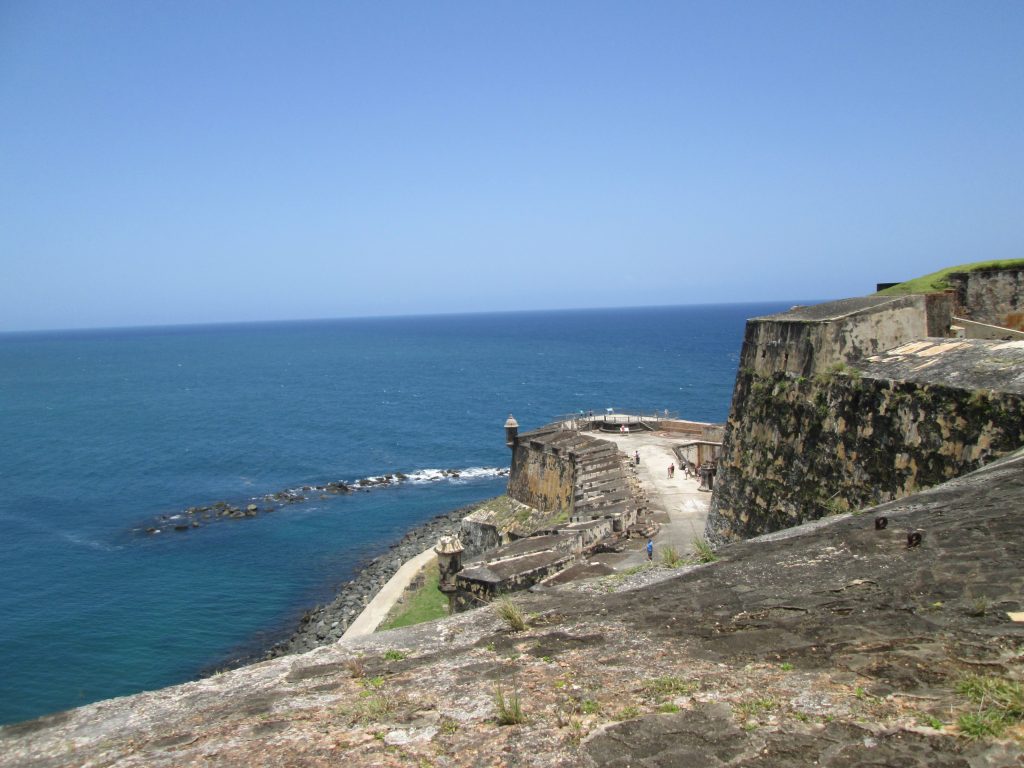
(677, 505)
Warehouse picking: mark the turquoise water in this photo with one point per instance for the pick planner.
(104, 431)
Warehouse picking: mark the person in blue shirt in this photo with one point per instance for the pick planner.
(650, 550)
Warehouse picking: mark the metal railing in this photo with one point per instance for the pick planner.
(618, 417)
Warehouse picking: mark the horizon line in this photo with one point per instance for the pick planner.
(390, 316)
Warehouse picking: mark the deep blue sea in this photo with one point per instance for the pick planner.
(104, 431)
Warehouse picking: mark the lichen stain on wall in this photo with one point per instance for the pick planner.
(805, 448)
(541, 479)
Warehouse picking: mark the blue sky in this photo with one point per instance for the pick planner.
(227, 161)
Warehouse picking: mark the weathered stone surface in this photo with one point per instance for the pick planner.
(541, 478)
(880, 429)
(994, 296)
(827, 644)
(809, 339)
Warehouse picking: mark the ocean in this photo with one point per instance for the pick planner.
(108, 433)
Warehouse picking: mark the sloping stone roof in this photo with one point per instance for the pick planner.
(963, 363)
(833, 310)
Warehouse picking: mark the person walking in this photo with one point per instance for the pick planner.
(650, 550)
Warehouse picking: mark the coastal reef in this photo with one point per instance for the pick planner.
(829, 644)
(200, 515)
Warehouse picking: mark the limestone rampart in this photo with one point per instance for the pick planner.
(805, 340)
(542, 473)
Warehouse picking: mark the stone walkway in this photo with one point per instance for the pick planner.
(377, 610)
(676, 503)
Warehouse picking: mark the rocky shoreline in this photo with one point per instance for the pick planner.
(325, 624)
(191, 518)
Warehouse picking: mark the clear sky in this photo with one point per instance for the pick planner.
(180, 162)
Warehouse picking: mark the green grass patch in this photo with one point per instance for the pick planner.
(939, 281)
(669, 686)
(425, 604)
(999, 705)
(756, 707)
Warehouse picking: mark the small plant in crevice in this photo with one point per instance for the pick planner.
(575, 726)
(508, 709)
(355, 667)
(628, 713)
(980, 606)
(703, 550)
(393, 655)
(669, 685)
(670, 557)
(511, 614)
(756, 707)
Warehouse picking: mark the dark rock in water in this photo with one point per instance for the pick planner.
(181, 527)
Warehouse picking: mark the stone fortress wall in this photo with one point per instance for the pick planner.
(859, 401)
(990, 296)
(542, 476)
(569, 493)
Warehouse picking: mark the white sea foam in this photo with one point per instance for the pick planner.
(84, 541)
(455, 475)
(474, 472)
(426, 476)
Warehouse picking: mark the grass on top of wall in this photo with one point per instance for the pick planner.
(937, 281)
(425, 604)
